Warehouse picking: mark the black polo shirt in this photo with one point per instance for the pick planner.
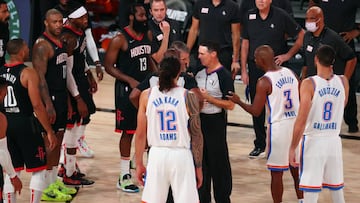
(250, 4)
(331, 38)
(175, 33)
(270, 31)
(339, 15)
(215, 22)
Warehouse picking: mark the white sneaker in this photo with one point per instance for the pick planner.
(84, 148)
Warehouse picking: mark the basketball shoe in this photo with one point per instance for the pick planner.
(125, 184)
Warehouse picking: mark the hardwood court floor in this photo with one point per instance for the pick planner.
(251, 179)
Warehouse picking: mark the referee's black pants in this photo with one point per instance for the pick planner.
(216, 164)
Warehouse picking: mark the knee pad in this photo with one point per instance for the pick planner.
(38, 180)
(70, 137)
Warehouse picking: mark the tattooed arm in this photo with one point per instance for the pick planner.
(197, 141)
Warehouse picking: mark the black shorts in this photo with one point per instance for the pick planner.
(83, 86)
(59, 100)
(125, 112)
(25, 143)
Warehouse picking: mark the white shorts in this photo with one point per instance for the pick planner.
(279, 141)
(170, 166)
(321, 163)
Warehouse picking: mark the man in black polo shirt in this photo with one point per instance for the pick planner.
(284, 4)
(218, 21)
(345, 60)
(340, 16)
(158, 12)
(269, 25)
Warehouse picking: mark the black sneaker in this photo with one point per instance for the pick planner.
(257, 153)
(77, 180)
(353, 129)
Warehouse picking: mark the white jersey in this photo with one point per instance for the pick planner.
(167, 118)
(283, 102)
(327, 109)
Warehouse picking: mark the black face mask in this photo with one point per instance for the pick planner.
(140, 26)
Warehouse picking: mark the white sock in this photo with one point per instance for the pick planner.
(10, 197)
(311, 197)
(124, 167)
(70, 164)
(35, 196)
(62, 154)
(337, 196)
(301, 200)
(48, 177)
(53, 176)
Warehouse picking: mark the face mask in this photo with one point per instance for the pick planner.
(311, 26)
(140, 26)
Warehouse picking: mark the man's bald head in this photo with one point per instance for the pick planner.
(264, 57)
(315, 11)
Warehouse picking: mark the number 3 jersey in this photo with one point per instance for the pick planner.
(167, 118)
(134, 61)
(17, 101)
(283, 102)
(327, 109)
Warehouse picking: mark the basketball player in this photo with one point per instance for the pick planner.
(24, 110)
(165, 112)
(128, 61)
(81, 85)
(278, 88)
(49, 59)
(322, 101)
(5, 159)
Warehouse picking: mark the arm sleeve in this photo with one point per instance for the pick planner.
(70, 80)
(5, 159)
(91, 46)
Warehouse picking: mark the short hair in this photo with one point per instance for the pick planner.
(52, 11)
(326, 55)
(15, 45)
(180, 46)
(211, 46)
(152, 1)
(172, 52)
(168, 71)
(2, 2)
(132, 9)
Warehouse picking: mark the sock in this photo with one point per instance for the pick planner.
(53, 175)
(124, 167)
(62, 154)
(48, 177)
(70, 164)
(301, 200)
(337, 196)
(311, 197)
(10, 197)
(35, 196)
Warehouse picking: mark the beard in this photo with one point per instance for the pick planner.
(140, 26)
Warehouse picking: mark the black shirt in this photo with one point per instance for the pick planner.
(4, 38)
(339, 15)
(331, 38)
(17, 101)
(215, 22)
(135, 61)
(270, 31)
(56, 68)
(175, 33)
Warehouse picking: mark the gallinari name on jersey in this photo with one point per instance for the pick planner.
(325, 126)
(139, 50)
(329, 91)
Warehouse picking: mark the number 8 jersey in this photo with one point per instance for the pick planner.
(327, 109)
(167, 118)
